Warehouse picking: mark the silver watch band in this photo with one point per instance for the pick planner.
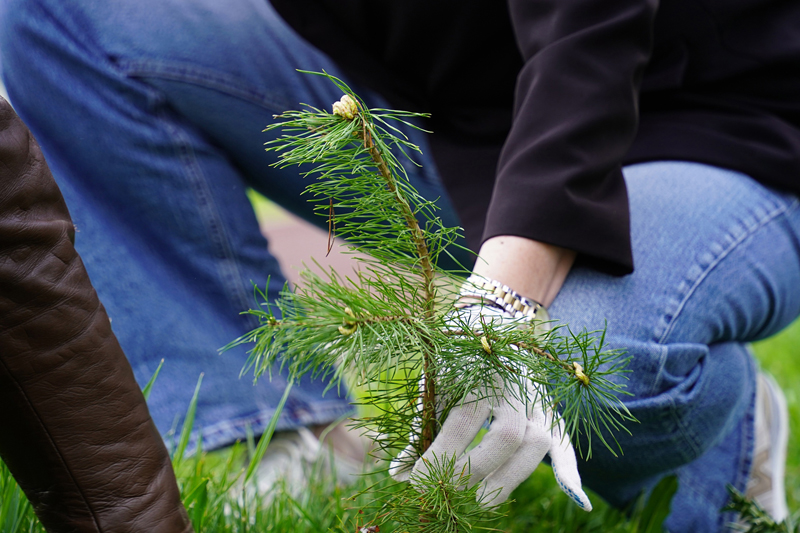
(482, 291)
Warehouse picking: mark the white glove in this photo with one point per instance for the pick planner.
(520, 435)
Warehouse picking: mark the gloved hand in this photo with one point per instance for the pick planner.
(520, 435)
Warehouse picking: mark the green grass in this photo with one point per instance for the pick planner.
(266, 211)
(211, 486)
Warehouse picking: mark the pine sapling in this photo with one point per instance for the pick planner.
(388, 326)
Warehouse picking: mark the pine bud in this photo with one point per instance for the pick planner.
(486, 346)
(346, 107)
(579, 375)
(347, 331)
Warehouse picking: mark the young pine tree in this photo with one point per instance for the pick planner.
(392, 327)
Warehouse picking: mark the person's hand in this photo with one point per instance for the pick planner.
(521, 433)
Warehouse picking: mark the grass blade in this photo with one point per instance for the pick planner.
(147, 388)
(266, 436)
(188, 424)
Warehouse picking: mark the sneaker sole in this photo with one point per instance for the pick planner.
(779, 434)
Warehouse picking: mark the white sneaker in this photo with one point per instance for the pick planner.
(766, 485)
(287, 459)
(292, 456)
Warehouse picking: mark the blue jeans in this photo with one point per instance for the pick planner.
(717, 259)
(150, 115)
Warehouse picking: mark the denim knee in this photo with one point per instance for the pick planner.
(686, 397)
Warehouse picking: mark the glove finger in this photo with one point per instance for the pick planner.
(458, 432)
(400, 467)
(501, 441)
(565, 467)
(500, 483)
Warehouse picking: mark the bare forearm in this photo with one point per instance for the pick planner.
(532, 268)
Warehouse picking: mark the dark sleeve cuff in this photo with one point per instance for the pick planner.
(559, 177)
(594, 225)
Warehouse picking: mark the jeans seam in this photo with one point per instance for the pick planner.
(770, 216)
(202, 77)
(748, 442)
(686, 433)
(794, 207)
(227, 268)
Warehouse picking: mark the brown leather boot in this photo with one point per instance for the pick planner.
(74, 428)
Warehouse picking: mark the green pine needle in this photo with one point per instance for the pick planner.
(752, 518)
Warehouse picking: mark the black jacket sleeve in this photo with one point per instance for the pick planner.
(559, 176)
